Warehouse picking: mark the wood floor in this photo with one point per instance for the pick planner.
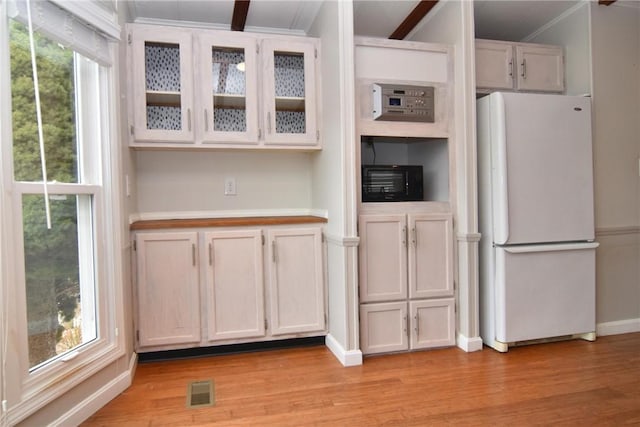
(565, 383)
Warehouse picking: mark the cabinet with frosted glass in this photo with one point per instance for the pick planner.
(252, 91)
(162, 85)
(289, 93)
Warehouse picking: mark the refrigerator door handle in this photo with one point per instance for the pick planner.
(550, 247)
(499, 159)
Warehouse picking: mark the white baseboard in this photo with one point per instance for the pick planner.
(89, 406)
(618, 327)
(347, 358)
(469, 344)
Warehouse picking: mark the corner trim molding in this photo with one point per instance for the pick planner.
(616, 231)
(344, 241)
(89, 406)
(347, 358)
(469, 344)
(469, 237)
(618, 327)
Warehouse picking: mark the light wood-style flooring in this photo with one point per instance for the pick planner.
(575, 383)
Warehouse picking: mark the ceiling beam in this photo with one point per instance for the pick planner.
(606, 2)
(410, 22)
(240, 11)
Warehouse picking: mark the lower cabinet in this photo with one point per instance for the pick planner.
(398, 326)
(234, 285)
(224, 286)
(168, 293)
(296, 285)
(406, 282)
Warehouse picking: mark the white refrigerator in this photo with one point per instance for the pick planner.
(535, 188)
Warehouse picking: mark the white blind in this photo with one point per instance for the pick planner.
(65, 28)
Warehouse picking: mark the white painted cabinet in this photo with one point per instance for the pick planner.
(398, 326)
(257, 284)
(227, 101)
(519, 66)
(221, 89)
(296, 284)
(432, 323)
(384, 327)
(406, 270)
(383, 257)
(162, 85)
(168, 292)
(289, 92)
(234, 284)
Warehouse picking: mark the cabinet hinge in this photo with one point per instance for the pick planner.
(135, 245)
(131, 130)
(325, 320)
(322, 238)
(317, 135)
(315, 52)
(266, 324)
(262, 235)
(129, 38)
(257, 48)
(259, 133)
(138, 335)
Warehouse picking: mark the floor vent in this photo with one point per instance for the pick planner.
(200, 394)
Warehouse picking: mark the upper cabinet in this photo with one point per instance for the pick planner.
(228, 88)
(289, 94)
(162, 85)
(252, 91)
(518, 66)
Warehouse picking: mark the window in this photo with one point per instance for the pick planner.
(59, 274)
(62, 280)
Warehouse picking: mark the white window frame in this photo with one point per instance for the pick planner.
(24, 392)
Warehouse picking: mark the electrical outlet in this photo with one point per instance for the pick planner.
(229, 186)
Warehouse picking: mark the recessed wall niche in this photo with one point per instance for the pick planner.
(430, 153)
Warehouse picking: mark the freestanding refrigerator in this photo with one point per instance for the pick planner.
(535, 187)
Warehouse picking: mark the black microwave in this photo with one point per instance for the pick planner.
(392, 183)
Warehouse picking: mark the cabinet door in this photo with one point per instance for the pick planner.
(383, 327)
(540, 68)
(494, 65)
(289, 92)
(228, 92)
(296, 280)
(234, 283)
(383, 257)
(432, 323)
(168, 289)
(162, 85)
(430, 256)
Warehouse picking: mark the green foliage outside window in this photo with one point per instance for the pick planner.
(51, 256)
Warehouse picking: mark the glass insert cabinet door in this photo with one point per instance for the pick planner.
(162, 85)
(289, 92)
(228, 103)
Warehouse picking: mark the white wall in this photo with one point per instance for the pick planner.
(333, 174)
(571, 30)
(615, 41)
(177, 181)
